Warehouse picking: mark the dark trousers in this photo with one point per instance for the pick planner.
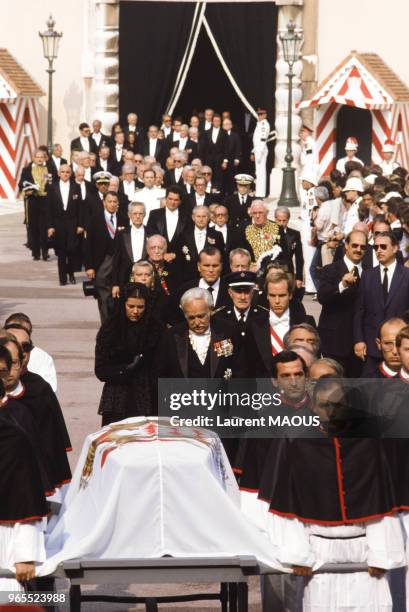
(316, 265)
(37, 226)
(103, 285)
(65, 264)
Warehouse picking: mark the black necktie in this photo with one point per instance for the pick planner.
(210, 290)
(242, 200)
(112, 219)
(242, 317)
(385, 284)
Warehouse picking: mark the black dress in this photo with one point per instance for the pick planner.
(119, 341)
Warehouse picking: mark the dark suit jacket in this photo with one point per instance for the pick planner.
(214, 152)
(191, 148)
(52, 168)
(294, 245)
(170, 179)
(173, 354)
(65, 222)
(121, 189)
(161, 150)
(76, 144)
(175, 314)
(187, 241)
(189, 201)
(370, 309)
(123, 258)
(99, 243)
(258, 341)
(157, 225)
(227, 313)
(238, 215)
(336, 320)
(233, 147)
(111, 165)
(105, 140)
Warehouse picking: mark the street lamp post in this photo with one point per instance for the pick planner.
(51, 40)
(291, 42)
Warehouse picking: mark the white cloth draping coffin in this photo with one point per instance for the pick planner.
(134, 494)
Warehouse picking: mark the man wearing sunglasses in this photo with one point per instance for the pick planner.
(383, 293)
(337, 294)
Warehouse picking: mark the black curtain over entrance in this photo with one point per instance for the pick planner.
(152, 42)
(246, 36)
(207, 86)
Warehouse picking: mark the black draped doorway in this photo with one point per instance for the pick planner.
(207, 86)
(180, 56)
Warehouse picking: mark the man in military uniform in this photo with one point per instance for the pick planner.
(260, 151)
(308, 157)
(238, 203)
(264, 238)
(351, 147)
(241, 287)
(387, 164)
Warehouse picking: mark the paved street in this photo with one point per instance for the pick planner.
(65, 324)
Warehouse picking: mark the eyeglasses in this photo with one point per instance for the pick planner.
(362, 247)
(207, 173)
(383, 247)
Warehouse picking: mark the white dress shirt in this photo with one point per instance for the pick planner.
(137, 241)
(281, 324)
(391, 270)
(40, 362)
(200, 238)
(87, 174)
(118, 152)
(84, 143)
(152, 146)
(131, 128)
(215, 134)
(172, 218)
(64, 190)
(350, 265)
(216, 286)
(178, 174)
(97, 138)
(182, 143)
(200, 199)
(351, 217)
(83, 189)
(104, 164)
(207, 125)
(150, 197)
(238, 314)
(222, 230)
(200, 344)
(108, 218)
(57, 161)
(129, 189)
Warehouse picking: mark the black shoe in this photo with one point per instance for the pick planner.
(46, 257)
(62, 283)
(72, 279)
(36, 258)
